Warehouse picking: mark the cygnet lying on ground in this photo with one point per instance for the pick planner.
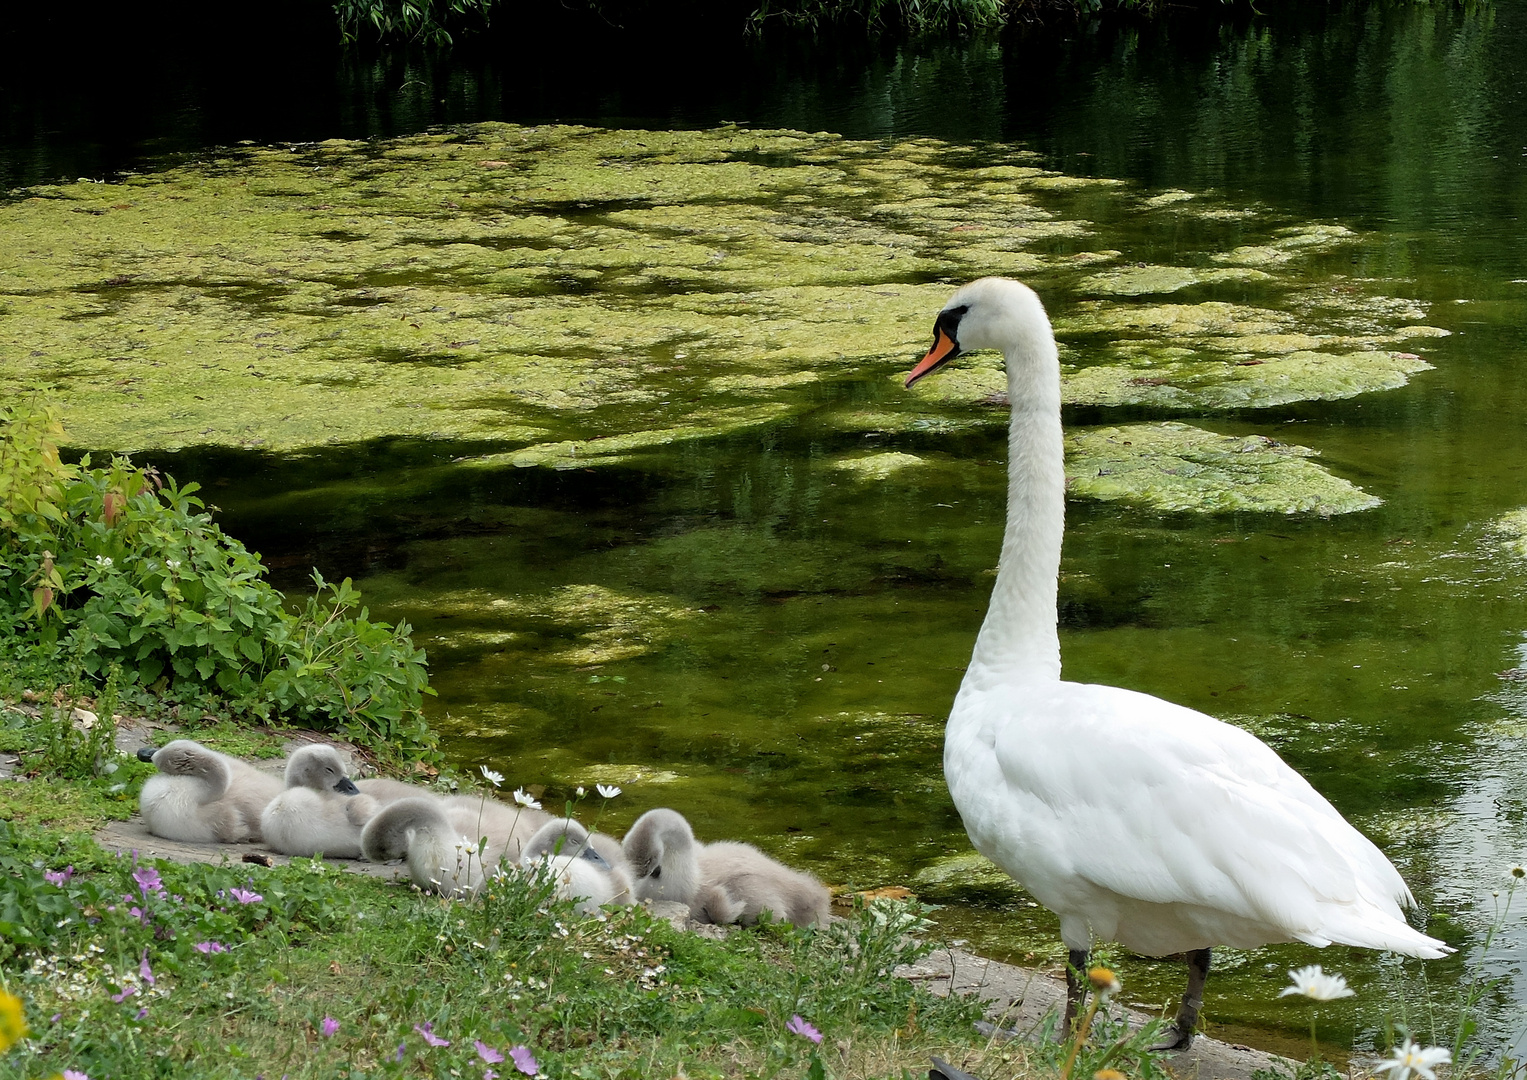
(385, 790)
(203, 797)
(582, 872)
(321, 811)
(723, 882)
(440, 839)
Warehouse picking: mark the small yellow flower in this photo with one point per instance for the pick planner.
(1108, 1074)
(1103, 980)
(13, 1023)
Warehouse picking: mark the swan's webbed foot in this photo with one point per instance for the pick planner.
(1173, 1039)
(1179, 1036)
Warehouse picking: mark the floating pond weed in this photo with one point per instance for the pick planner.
(576, 296)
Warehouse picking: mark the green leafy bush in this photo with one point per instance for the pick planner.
(119, 569)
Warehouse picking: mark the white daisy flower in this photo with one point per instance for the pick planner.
(607, 791)
(494, 778)
(525, 800)
(1414, 1058)
(1317, 985)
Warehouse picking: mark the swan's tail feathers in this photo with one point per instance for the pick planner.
(1379, 930)
(1411, 942)
(388, 834)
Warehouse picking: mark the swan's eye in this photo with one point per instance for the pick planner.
(657, 872)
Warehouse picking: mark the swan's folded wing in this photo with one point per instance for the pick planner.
(1159, 803)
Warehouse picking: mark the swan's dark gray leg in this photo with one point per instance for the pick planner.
(942, 1070)
(1180, 1035)
(1076, 988)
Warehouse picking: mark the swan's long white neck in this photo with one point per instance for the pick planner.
(1019, 640)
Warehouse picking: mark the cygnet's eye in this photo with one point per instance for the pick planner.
(657, 872)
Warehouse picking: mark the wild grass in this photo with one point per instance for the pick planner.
(127, 969)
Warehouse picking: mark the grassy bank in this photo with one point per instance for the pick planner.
(126, 967)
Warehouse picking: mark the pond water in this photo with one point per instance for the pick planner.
(609, 413)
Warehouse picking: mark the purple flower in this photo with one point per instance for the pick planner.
(141, 1013)
(487, 1053)
(489, 1074)
(797, 1026)
(210, 947)
(145, 972)
(328, 1027)
(524, 1060)
(399, 1055)
(245, 896)
(71, 1074)
(58, 877)
(148, 880)
(127, 992)
(427, 1032)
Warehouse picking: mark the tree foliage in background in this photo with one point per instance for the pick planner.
(408, 20)
(431, 21)
(119, 570)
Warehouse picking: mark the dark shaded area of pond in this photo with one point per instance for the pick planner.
(811, 631)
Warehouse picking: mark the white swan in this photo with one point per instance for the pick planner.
(321, 812)
(1133, 819)
(203, 797)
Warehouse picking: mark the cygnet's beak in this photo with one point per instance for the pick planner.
(146, 753)
(945, 348)
(594, 857)
(346, 787)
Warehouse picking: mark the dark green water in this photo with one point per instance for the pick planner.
(803, 635)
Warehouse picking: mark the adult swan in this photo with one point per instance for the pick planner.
(1133, 819)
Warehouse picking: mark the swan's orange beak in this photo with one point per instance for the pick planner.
(944, 349)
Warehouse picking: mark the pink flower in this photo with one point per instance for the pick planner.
(145, 972)
(58, 877)
(127, 992)
(71, 1074)
(148, 880)
(427, 1033)
(797, 1026)
(487, 1053)
(489, 1074)
(245, 896)
(524, 1060)
(210, 947)
(329, 1027)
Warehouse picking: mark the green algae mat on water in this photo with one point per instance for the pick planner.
(572, 297)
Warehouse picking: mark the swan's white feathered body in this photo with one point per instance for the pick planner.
(1133, 819)
(1149, 824)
